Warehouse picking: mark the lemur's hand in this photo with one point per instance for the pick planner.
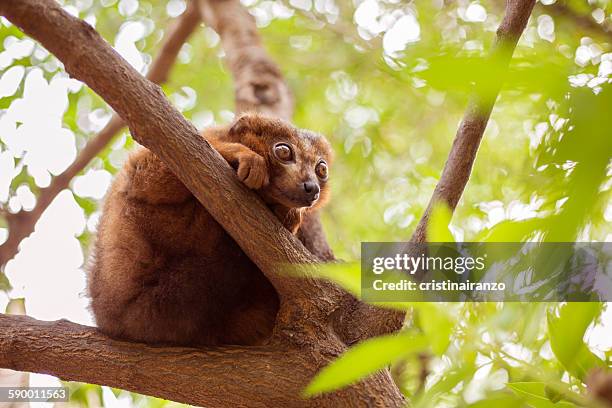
(253, 171)
(251, 167)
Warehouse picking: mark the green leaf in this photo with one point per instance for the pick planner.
(535, 394)
(363, 359)
(566, 331)
(437, 325)
(16, 307)
(5, 285)
(449, 380)
(499, 400)
(510, 231)
(437, 227)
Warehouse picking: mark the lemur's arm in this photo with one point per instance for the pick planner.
(149, 180)
(250, 166)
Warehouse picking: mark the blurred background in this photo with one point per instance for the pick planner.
(388, 82)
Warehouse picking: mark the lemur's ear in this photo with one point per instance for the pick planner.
(245, 123)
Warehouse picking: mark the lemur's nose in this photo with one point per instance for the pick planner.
(312, 189)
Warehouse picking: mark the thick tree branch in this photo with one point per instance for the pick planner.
(195, 376)
(22, 223)
(263, 376)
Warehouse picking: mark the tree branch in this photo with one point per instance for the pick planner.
(259, 84)
(462, 155)
(194, 376)
(461, 158)
(22, 223)
(261, 376)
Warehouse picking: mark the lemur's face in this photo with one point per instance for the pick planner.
(298, 160)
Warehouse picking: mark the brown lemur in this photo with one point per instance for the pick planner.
(163, 271)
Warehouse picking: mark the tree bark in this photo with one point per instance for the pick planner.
(22, 224)
(10, 378)
(264, 376)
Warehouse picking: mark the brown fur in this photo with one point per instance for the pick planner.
(164, 271)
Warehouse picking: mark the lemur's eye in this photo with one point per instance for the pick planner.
(283, 152)
(321, 170)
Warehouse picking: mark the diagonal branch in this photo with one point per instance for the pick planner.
(460, 160)
(156, 124)
(259, 84)
(22, 223)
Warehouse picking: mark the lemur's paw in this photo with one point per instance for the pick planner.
(253, 171)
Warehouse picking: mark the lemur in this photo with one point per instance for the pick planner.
(163, 271)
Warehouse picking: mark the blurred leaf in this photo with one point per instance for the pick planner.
(16, 307)
(363, 359)
(499, 400)
(534, 393)
(510, 231)
(443, 386)
(88, 205)
(5, 285)
(347, 275)
(566, 331)
(436, 324)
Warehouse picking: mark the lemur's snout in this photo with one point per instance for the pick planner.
(312, 190)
